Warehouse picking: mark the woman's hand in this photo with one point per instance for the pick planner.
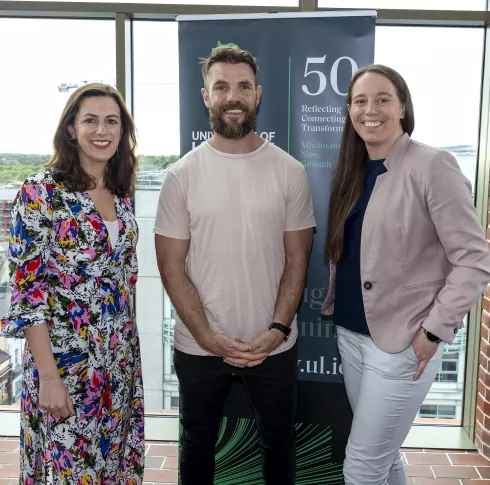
(54, 398)
(424, 350)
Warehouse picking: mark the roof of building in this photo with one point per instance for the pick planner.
(4, 356)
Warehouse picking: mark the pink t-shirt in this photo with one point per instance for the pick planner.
(235, 210)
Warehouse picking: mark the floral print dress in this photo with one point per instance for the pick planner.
(66, 271)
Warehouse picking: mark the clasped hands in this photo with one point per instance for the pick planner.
(242, 354)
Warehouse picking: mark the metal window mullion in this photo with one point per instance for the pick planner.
(481, 202)
(308, 5)
(124, 58)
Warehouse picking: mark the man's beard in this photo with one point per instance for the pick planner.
(233, 130)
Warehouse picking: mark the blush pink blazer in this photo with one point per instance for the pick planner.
(424, 257)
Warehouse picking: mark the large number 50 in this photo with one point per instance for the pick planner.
(321, 76)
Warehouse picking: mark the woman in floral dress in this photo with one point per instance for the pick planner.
(73, 265)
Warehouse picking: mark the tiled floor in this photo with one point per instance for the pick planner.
(423, 467)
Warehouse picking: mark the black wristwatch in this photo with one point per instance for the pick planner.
(279, 326)
(431, 337)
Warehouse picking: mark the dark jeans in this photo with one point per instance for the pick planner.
(204, 383)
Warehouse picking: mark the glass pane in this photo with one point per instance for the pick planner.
(449, 366)
(407, 4)
(446, 410)
(425, 57)
(446, 377)
(450, 356)
(41, 68)
(428, 410)
(437, 412)
(156, 112)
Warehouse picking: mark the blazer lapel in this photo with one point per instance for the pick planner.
(397, 152)
(380, 196)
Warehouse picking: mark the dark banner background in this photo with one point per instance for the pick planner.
(305, 66)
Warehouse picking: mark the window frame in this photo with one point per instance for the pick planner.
(164, 426)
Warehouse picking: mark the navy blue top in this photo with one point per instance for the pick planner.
(349, 306)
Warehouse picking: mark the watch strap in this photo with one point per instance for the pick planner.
(431, 337)
(283, 328)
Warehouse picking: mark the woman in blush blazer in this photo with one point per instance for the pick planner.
(408, 259)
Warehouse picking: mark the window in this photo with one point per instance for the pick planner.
(449, 367)
(172, 367)
(4, 394)
(18, 389)
(46, 59)
(437, 411)
(174, 403)
(156, 113)
(412, 4)
(426, 57)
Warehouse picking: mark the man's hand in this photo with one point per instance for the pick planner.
(224, 346)
(260, 348)
(424, 350)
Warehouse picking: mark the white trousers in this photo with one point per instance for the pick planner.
(385, 400)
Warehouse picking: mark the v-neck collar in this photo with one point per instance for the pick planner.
(120, 220)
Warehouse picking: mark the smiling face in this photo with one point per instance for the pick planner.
(97, 129)
(375, 111)
(232, 98)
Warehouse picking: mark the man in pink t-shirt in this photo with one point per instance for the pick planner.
(234, 229)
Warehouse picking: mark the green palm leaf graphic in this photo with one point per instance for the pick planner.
(238, 460)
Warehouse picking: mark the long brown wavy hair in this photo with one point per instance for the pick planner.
(349, 175)
(121, 169)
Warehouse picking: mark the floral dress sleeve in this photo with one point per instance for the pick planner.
(28, 255)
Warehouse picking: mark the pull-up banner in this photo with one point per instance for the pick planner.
(306, 61)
